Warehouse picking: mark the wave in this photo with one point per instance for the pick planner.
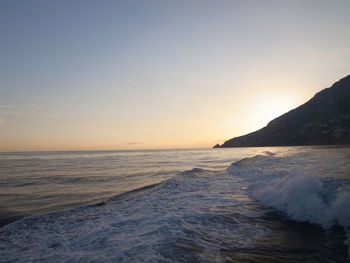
(191, 217)
(199, 215)
(295, 186)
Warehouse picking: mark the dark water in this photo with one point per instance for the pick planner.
(286, 204)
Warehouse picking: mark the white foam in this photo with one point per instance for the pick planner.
(201, 211)
(186, 218)
(298, 186)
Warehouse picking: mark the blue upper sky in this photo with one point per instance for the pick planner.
(153, 74)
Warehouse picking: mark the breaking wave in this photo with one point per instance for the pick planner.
(189, 218)
(295, 186)
(199, 215)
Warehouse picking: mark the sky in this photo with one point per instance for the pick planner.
(109, 75)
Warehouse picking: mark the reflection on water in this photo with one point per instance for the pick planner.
(153, 211)
(40, 182)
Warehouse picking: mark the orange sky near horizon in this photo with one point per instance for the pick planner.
(81, 75)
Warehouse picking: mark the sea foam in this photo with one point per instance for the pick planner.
(191, 217)
(200, 215)
(298, 186)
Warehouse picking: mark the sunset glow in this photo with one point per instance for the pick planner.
(155, 74)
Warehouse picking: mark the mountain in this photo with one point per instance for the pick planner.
(324, 119)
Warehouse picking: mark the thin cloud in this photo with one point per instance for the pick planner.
(133, 143)
(6, 106)
(53, 115)
(10, 112)
(46, 125)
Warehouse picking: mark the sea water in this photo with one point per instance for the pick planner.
(277, 204)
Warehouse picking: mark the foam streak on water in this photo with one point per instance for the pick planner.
(270, 205)
(305, 186)
(190, 212)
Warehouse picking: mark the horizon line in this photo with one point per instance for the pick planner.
(104, 150)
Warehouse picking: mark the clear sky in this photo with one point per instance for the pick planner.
(85, 75)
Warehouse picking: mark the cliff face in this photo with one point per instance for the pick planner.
(324, 119)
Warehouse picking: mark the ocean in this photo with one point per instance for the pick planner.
(271, 204)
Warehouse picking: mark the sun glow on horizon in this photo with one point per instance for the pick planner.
(248, 115)
(160, 74)
(269, 109)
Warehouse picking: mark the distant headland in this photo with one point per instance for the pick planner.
(323, 120)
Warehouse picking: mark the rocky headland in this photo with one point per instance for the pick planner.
(323, 120)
